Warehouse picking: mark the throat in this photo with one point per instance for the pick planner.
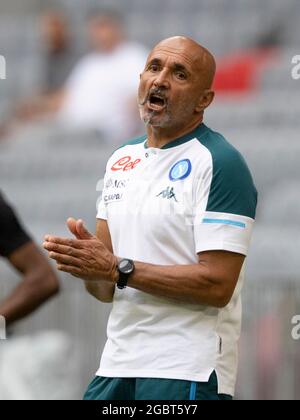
(158, 137)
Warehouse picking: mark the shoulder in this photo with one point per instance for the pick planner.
(135, 49)
(231, 179)
(12, 234)
(131, 146)
(133, 142)
(225, 158)
(84, 63)
(223, 154)
(6, 212)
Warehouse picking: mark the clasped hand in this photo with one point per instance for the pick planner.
(85, 257)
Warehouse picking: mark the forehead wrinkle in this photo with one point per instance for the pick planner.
(175, 52)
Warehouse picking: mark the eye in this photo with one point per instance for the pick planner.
(154, 68)
(181, 75)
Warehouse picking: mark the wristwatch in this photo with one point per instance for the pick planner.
(125, 268)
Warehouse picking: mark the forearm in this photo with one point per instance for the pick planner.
(185, 283)
(102, 291)
(28, 296)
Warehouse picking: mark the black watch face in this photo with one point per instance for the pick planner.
(126, 266)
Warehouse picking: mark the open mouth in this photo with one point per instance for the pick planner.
(156, 102)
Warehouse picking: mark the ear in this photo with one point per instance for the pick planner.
(205, 100)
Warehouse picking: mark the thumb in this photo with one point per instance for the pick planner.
(71, 222)
(82, 231)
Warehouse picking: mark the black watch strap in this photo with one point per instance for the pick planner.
(125, 268)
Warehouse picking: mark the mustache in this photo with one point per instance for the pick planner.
(154, 91)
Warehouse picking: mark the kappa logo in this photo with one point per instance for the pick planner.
(180, 170)
(168, 193)
(125, 164)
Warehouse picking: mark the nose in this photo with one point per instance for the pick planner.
(162, 79)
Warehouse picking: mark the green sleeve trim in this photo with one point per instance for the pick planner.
(232, 188)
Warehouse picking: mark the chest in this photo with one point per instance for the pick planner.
(151, 184)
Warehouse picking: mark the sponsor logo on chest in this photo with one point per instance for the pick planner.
(124, 164)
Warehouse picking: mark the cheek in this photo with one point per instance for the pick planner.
(142, 89)
(144, 81)
(182, 102)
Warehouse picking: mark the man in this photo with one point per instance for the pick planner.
(39, 281)
(177, 239)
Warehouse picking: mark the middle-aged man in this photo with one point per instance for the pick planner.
(173, 230)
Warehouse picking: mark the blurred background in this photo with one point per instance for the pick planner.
(72, 74)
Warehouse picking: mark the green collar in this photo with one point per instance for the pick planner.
(198, 131)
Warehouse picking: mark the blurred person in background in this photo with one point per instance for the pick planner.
(59, 58)
(43, 366)
(173, 231)
(94, 97)
(39, 282)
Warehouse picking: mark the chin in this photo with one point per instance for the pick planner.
(156, 122)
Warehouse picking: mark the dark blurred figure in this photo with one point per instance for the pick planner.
(38, 283)
(59, 53)
(59, 59)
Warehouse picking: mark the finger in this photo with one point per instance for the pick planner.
(74, 243)
(71, 223)
(62, 249)
(82, 230)
(65, 259)
(75, 271)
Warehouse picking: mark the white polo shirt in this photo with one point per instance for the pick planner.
(98, 98)
(163, 206)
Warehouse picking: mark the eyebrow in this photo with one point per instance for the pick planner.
(176, 66)
(181, 67)
(154, 61)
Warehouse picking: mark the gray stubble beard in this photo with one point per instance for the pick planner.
(147, 119)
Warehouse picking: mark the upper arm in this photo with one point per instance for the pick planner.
(223, 269)
(36, 270)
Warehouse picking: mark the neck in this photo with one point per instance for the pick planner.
(159, 137)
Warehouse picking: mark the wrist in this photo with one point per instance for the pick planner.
(115, 271)
(125, 270)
